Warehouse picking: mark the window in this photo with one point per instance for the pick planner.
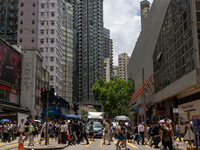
(33, 21)
(41, 31)
(42, 5)
(52, 31)
(52, 41)
(42, 41)
(52, 14)
(21, 31)
(51, 68)
(46, 40)
(52, 49)
(21, 22)
(20, 40)
(22, 13)
(33, 4)
(33, 31)
(52, 23)
(51, 78)
(52, 5)
(22, 4)
(42, 23)
(33, 13)
(32, 40)
(52, 59)
(42, 14)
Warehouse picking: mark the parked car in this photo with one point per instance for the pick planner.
(98, 129)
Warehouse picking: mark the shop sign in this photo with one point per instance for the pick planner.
(137, 110)
(186, 107)
(175, 110)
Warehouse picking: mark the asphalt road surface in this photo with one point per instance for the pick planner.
(98, 145)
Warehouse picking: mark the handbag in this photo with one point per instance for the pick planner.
(68, 138)
(139, 137)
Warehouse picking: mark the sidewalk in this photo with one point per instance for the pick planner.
(52, 145)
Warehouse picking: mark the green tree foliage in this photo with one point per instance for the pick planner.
(114, 95)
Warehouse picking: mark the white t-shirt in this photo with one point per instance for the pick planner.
(21, 127)
(44, 127)
(141, 128)
(63, 128)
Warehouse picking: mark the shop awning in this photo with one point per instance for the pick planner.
(140, 90)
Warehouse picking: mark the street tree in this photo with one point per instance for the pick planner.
(114, 95)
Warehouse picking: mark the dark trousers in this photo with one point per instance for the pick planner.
(78, 135)
(168, 144)
(63, 137)
(136, 137)
(83, 135)
(156, 141)
(5, 137)
(142, 135)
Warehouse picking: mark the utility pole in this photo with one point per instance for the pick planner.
(47, 114)
(144, 103)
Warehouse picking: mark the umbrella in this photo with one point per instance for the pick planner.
(163, 121)
(4, 120)
(123, 118)
(72, 116)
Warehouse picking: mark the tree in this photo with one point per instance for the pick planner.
(114, 95)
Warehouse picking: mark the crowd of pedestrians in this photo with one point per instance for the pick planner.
(157, 135)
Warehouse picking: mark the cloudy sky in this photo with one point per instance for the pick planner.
(122, 18)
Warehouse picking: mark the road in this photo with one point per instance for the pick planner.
(94, 145)
(97, 145)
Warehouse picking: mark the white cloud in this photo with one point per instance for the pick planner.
(122, 18)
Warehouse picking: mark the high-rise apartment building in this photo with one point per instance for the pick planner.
(123, 60)
(40, 27)
(107, 71)
(115, 71)
(67, 64)
(108, 47)
(8, 20)
(144, 6)
(88, 21)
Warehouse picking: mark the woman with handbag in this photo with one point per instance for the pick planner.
(167, 135)
(106, 132)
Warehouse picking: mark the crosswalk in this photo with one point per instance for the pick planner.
(14, 144)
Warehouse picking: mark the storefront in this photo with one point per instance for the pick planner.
(187, 111)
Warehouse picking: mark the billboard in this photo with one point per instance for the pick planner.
(10, 65)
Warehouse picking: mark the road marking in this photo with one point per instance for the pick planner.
(101, 143)
(132, 145)
(90, 142)
(14, 144)
(148, 146)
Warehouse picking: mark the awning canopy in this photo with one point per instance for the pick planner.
(140, 90)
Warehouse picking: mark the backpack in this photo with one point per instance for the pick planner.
(155, 130)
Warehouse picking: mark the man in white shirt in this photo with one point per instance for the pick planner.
(141, 130)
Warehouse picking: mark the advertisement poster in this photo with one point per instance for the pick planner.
(10, 65)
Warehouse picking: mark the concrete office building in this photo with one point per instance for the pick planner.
(67, 64)
(107, 71)
(44, 32)
(34, 77)
(123, 60)
(108, 47)
(144, 8)
(88, 22)
(8, 20)
(171, 61)
(10, 81)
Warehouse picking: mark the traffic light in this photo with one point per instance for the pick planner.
(51, 95)
(43, 94)
(76, 107)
